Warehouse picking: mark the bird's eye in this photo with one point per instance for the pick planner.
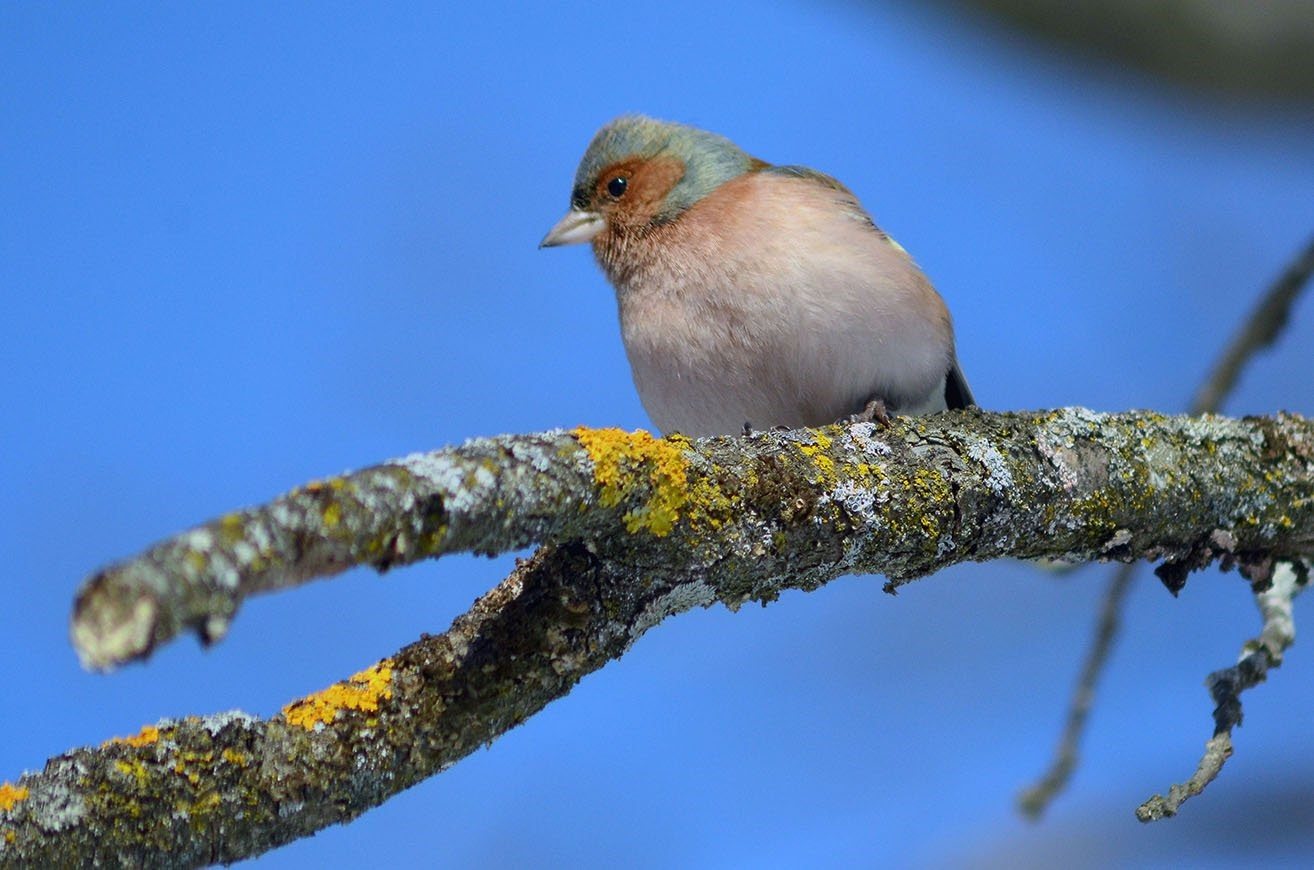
(616, 187)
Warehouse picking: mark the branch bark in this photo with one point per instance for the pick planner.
(638, 529)
(764, 513)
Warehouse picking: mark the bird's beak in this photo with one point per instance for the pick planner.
(577, 226)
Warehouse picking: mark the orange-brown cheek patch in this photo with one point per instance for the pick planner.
(653, 180)
(625, 169)
(649, 183)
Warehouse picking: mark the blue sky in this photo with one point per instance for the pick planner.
(247, 246)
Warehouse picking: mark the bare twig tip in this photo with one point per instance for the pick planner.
(107, 632)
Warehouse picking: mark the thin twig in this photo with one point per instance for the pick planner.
(1258, 331)
(1257, 656)
(1217, 750)
(1034, 800)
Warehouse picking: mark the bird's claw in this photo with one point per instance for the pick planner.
(872, 412)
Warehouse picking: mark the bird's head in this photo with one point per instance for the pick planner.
(639, 173)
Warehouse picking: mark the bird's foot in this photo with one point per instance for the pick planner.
(872, 412)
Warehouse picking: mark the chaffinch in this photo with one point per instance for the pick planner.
(753, 294)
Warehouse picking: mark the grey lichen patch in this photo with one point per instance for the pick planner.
(199, 540)
(1276, 608)
(1081, 421)
(862, 436)
(1057, 443)
(681, 597)
(461, 486)
(215, 626)
(998, 476)
(1116, 542)
(54, 804)
(860, 500)
(217, 722)
(539, 455)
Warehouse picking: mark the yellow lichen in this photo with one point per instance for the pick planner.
(11, 795)
(232, 756)
(333, 483)
(144, 737)
(332, 515)
(816, 453)
(192, 765)
(361, 692)
(147, 735)
(134, 769)
(230, 527)
(623, 461)
(207, 803)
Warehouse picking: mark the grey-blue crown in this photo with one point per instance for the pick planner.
(709, 159)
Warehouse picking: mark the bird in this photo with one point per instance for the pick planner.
(751, 295)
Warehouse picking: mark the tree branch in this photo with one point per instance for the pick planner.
(1070, 485)
(221, 788)
(640, 529)
(1258, 331)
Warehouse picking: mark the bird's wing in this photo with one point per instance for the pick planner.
(809, 174)
(830, 182)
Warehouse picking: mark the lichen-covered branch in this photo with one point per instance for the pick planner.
(201, 790)
(638, 529)
(763, 512)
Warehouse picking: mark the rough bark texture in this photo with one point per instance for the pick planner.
(638, 529)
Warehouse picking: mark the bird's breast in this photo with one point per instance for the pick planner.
(766, 304)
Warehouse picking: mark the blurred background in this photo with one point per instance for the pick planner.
(245, 246)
